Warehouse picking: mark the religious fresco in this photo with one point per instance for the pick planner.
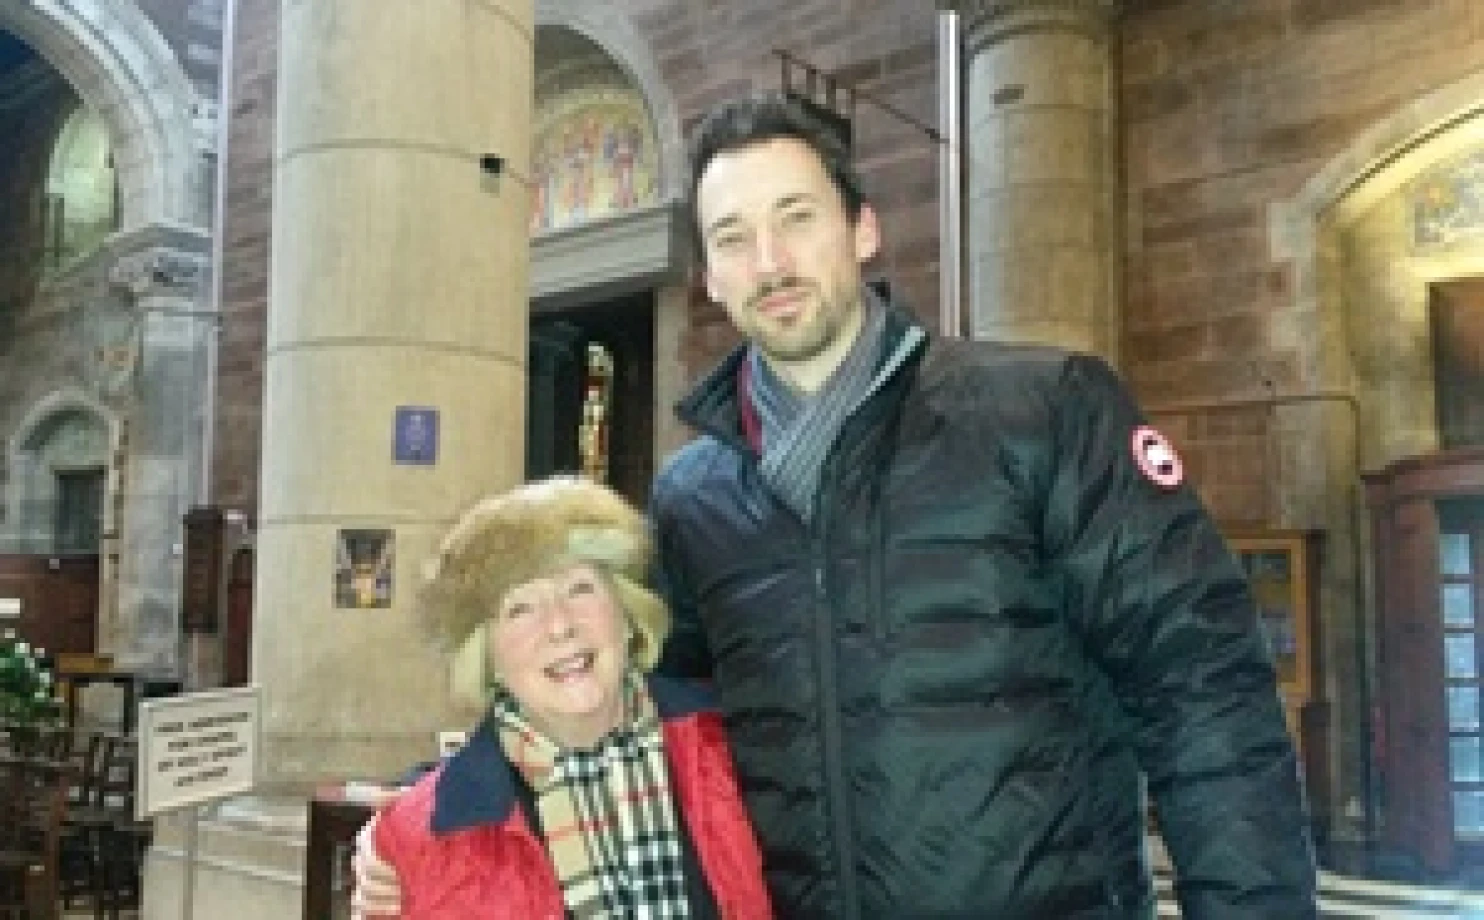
(595, 155)
(1447, 203)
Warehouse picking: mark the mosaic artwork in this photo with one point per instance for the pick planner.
(1448, 203)
(595, 155)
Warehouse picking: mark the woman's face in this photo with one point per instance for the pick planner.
(559, 644)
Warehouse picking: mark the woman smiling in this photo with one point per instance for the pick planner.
(589, 789)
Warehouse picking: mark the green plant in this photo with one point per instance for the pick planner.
(27, 691)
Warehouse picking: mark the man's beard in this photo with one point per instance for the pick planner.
(819, 330)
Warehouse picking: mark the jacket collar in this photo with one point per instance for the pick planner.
(714, 406)
(477, 786)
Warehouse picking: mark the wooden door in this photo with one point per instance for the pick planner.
(1415, 769)
(237, 637)
(59, 600)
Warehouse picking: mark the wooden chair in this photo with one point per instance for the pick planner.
(123, 840)
(105, 845)
(80, 863)
(33, 800)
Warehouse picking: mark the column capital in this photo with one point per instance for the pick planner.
(159, 271)
(986, 22)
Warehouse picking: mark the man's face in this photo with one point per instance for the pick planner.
(782, 256)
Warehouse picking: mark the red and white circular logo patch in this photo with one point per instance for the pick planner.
(1157, 458)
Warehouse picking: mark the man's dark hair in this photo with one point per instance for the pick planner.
(766, 117)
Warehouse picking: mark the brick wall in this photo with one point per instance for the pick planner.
(1227, 108)
(245, 248)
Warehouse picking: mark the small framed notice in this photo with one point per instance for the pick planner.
(196, 747)
(415, 436)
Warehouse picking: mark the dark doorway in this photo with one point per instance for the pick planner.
(1457, 315)
(558, 383)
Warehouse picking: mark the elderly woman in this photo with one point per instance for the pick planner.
(589, 789)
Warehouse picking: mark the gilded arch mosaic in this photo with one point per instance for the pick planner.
(595, 149)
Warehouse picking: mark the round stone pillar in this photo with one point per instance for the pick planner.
(1041, 173)
(398, 280)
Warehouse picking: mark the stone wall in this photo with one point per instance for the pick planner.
(114, 331)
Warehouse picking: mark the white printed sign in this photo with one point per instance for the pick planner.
(195, 748)
(10, 608)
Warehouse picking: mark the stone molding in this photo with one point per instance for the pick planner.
(115, 261)
(608, 257)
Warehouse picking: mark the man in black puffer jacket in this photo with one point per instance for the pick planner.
(954, 596)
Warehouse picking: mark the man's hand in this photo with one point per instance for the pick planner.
(377, 891)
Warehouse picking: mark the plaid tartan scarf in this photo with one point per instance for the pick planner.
(606, 812)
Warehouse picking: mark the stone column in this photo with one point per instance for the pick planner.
(399, 278)
(1041, 173)
(160, 378)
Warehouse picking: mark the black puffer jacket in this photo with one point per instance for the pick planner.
(941, 692)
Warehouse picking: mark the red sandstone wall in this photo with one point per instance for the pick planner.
(1227, 108)
(245, 254)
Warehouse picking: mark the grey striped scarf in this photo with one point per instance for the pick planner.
(799, 429)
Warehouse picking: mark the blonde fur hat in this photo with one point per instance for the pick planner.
(530, 532)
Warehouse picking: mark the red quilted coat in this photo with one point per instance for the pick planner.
(463, 849)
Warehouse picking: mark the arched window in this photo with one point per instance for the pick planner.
(81, 198)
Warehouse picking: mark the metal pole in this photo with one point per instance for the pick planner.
(950, 176)
(188, 868)
(218, 251)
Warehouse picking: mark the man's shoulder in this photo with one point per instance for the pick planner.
(997, 376)
(1009, 359)
(683, 468)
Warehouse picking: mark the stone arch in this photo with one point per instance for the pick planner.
(60, 402)
(612, 31)
(121, 67)
(1302, 229)
(1339, 431)
(23, 487)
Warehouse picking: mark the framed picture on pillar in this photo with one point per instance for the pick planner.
(415, 436)
(364, 562)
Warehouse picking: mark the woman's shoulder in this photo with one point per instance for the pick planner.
(411, 812)
(679, 699)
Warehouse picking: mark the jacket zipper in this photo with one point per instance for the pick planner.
(837, 806)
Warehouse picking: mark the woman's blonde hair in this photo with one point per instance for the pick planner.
(529, 532)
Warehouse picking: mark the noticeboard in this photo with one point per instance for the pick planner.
(195, 748)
